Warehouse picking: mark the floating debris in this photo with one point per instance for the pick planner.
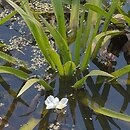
(106, 57)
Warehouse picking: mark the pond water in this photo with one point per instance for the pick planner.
(15, 112)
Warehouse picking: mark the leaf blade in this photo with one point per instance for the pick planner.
(16, 72)
(80, 82)
(32, 81)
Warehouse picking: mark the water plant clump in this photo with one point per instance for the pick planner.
(62, 49)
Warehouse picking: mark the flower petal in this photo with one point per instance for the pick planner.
(49, 100)
(56, 101)
(60, 106)
(50, 106)
(64, 101)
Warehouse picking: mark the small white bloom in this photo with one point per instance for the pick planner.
(62, 103)
(51, 102)
(54, 103)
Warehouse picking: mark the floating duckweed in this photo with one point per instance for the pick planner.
(17, 43)
(4, 13)
(37, 59)
(39, 87)
(40, 7)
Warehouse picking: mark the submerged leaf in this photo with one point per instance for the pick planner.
(87, 100)
(30, 125)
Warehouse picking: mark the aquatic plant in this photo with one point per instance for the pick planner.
(83, 34)
(62, 61)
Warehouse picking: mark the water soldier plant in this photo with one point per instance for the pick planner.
(82, 34)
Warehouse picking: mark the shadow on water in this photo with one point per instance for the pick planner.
(78, 115)
(78, 110)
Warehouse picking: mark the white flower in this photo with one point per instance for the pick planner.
(54, 103)
(62, 103)
(51, 102)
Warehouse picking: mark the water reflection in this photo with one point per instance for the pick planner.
(96, 91)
